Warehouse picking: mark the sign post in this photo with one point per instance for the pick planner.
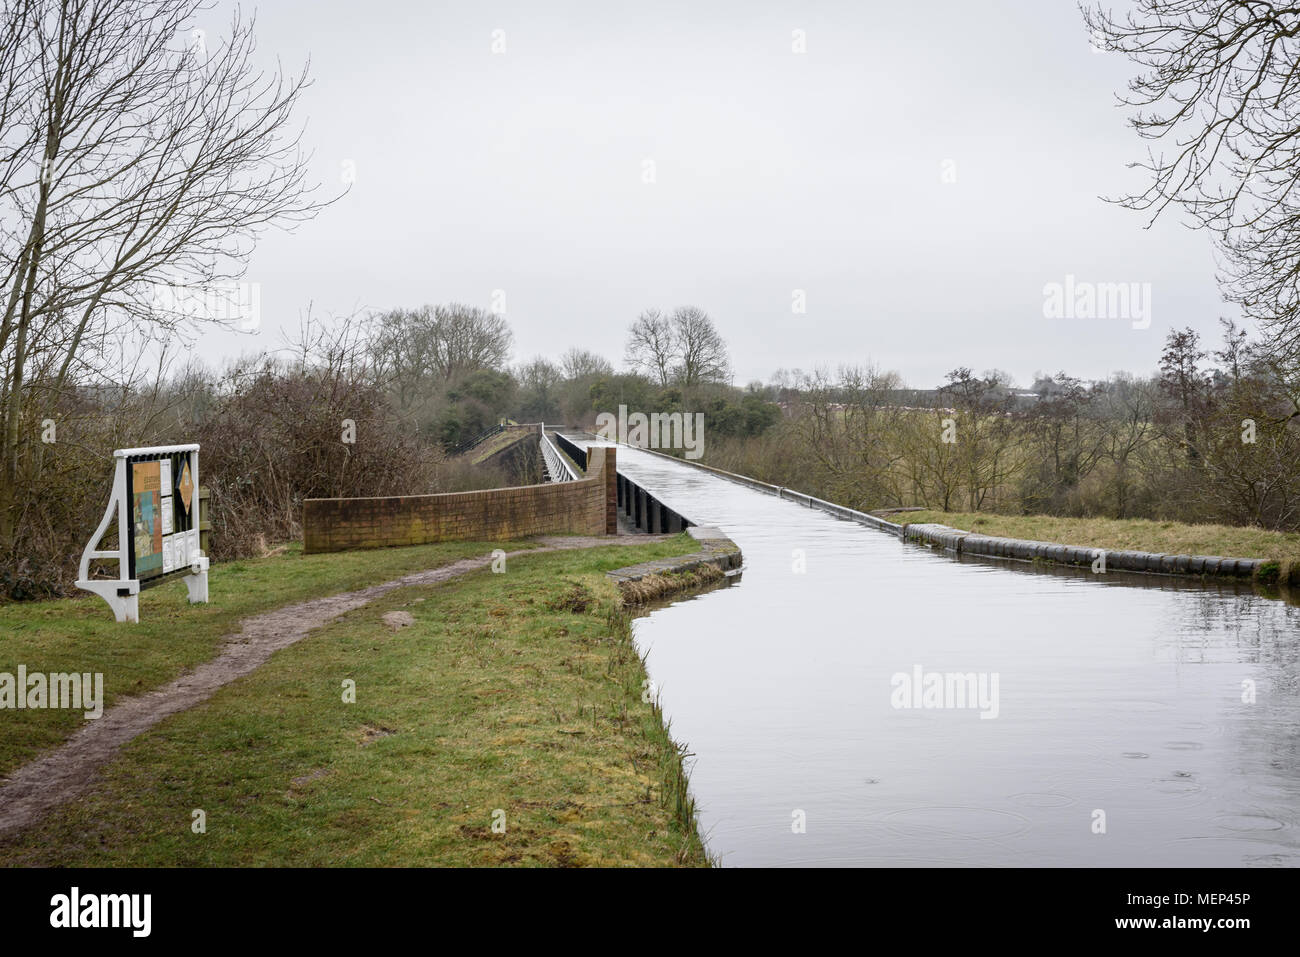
(155, 500)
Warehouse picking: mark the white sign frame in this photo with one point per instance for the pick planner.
(123, 593)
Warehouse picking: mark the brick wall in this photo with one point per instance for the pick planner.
(584, 507)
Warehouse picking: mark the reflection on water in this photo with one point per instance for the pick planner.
(1169, 707)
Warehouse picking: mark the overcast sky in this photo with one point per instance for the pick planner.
(774, 171)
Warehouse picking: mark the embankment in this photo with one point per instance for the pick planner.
(498, 719)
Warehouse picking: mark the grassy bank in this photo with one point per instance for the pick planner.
(79, 634)
(497, 443)
(1170, 538)
(511, 698)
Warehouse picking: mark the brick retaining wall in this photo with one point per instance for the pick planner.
(586, 506)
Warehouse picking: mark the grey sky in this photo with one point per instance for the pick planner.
(775, 171)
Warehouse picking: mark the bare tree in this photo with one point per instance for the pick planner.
(1186, 385)
(684, 348)
(582, 364)
(1235, 353)
(986, 437)
(539, 383)
(701, 351)
(128, 162)
(1126, 417)
(652, 346)
(467, 338)
(846, 426)
(1222, 88)
(1068, 441)
(430, 348)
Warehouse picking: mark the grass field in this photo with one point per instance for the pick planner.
(1170, 538)
(512, 699)
(79, 634)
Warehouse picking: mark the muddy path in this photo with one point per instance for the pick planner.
(69, 770)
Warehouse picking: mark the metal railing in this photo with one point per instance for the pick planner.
(572, 449)
(642, 508)
(558, 468)
(645, 512)
(464, 447)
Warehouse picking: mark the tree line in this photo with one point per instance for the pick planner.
(1213, 436)
(370, 405)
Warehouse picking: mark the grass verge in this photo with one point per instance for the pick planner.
(1169, 538)
(504, 725)
(657, 587)
(79, 634)
(497, 443)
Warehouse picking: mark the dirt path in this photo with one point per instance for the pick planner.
(69, 770)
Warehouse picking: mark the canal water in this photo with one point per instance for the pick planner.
(1132, 720)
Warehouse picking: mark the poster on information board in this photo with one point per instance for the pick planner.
(146, 510)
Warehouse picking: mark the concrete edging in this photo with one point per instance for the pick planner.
(961, 542)
(718, 554)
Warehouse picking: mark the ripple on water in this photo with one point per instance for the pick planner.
(1223, 850)
(968, 822)
(1139, 705)
(1274, 790)
(1042, 799)
(1248, 822)
(1271, 860)
(1184, 745)
(1180, 783)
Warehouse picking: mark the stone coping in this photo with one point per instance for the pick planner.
(991, 546)
(716, 549)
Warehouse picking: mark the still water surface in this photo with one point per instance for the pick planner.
(1119, 694)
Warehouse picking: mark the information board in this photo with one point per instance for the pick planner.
(155, 502)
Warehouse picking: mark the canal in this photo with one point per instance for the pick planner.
(1128, 720)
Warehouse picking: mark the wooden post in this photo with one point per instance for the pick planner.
(205, 520)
